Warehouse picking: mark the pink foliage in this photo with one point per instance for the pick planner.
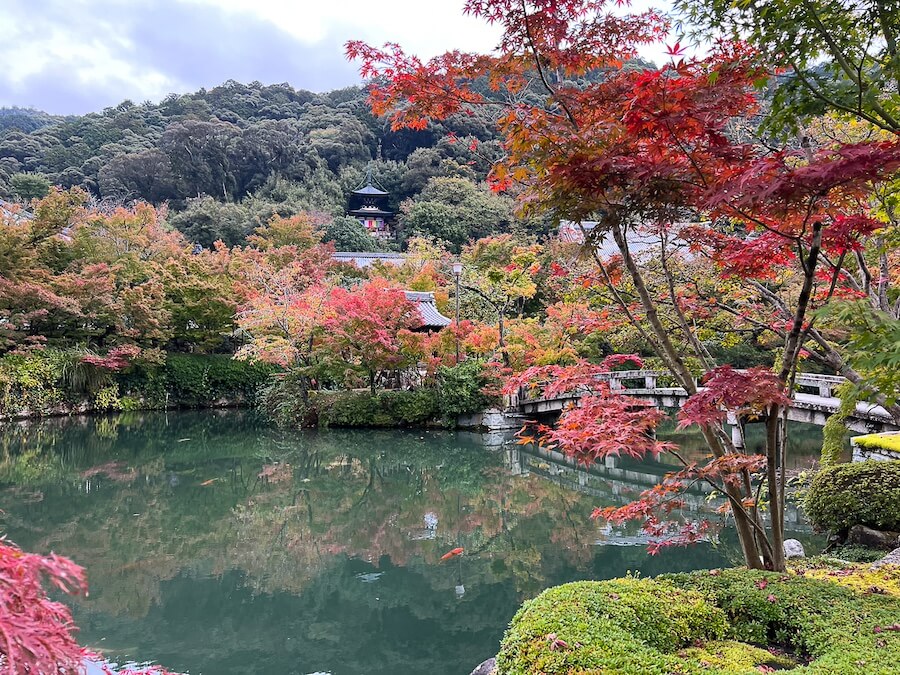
(654, 507)
(604, 425)
(727, 390)
(36, 634)
(118, 358)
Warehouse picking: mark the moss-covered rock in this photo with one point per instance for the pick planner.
(833, 618)
(885, 441)
(859, 493)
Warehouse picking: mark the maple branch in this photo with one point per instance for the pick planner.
(798, 73)
(835, 276)
(621, 302)
(829, 356)
(743, 316)
(702, 353)
(540, 68)
(675, 362)
(792, 344)
(887, 19)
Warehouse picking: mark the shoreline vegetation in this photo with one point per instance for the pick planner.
(58, 383)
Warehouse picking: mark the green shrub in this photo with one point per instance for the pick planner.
(711, 623)
(284, 400)
(859, 493)
(460, 390)
(32, 382)
(42, 380)
(384, 409)
(197, 380)
(858, 554)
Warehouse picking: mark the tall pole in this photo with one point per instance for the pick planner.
(457, 319)
(457, 272)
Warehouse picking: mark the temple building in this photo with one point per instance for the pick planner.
(432, 319)
(368, 204)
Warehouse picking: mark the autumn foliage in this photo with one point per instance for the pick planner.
(667, 155)
(36, 633)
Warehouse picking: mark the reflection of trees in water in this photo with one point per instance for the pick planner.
(355, 504)
(221, 570)
(359, 494)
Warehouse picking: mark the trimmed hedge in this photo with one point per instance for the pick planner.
(860, 493)
(198, 380)
(384, 409)
(711, 623)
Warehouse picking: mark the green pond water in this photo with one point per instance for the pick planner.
(217, 545)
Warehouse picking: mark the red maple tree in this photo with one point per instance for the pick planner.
(642, 151)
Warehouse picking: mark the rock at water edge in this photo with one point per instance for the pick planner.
(793, 549)
(892, 558)
(485, 667)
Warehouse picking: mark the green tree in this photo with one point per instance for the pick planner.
(348, 234)
(841, 56)
(28, 186)
(457, 210)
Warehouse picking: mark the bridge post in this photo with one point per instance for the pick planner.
(515, 463)
(615, 384)
(737, 437)
(649, 381)
(825, 389)
(737, 431)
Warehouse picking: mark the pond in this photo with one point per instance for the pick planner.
(217, 545)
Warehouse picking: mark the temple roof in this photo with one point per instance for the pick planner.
(370, 189)
(366, 258)
(367, 187)
(371, 211)
(431, 317)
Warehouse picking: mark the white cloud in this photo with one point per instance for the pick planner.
(423, 27)
(79, 55)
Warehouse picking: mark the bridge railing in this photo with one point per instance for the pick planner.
(824, 385)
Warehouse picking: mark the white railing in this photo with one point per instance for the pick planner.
(823, 384)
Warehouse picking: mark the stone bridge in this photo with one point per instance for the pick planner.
(813, 402)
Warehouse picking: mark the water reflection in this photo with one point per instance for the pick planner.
(218, 545)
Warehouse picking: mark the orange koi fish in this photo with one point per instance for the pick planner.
(452, 554)
(208, 482)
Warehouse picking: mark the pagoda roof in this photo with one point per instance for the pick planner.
(371, 211)
(367, 187)
(370, 190)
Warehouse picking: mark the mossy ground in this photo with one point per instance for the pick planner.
(823, 617)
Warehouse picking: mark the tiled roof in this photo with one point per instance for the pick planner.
(370, 190)
(365, 259)
(431, 317)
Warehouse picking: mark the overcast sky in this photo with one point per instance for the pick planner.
(77, 56)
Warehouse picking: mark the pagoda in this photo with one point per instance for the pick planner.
(368, 205)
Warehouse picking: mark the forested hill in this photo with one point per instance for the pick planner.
(225, 159)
